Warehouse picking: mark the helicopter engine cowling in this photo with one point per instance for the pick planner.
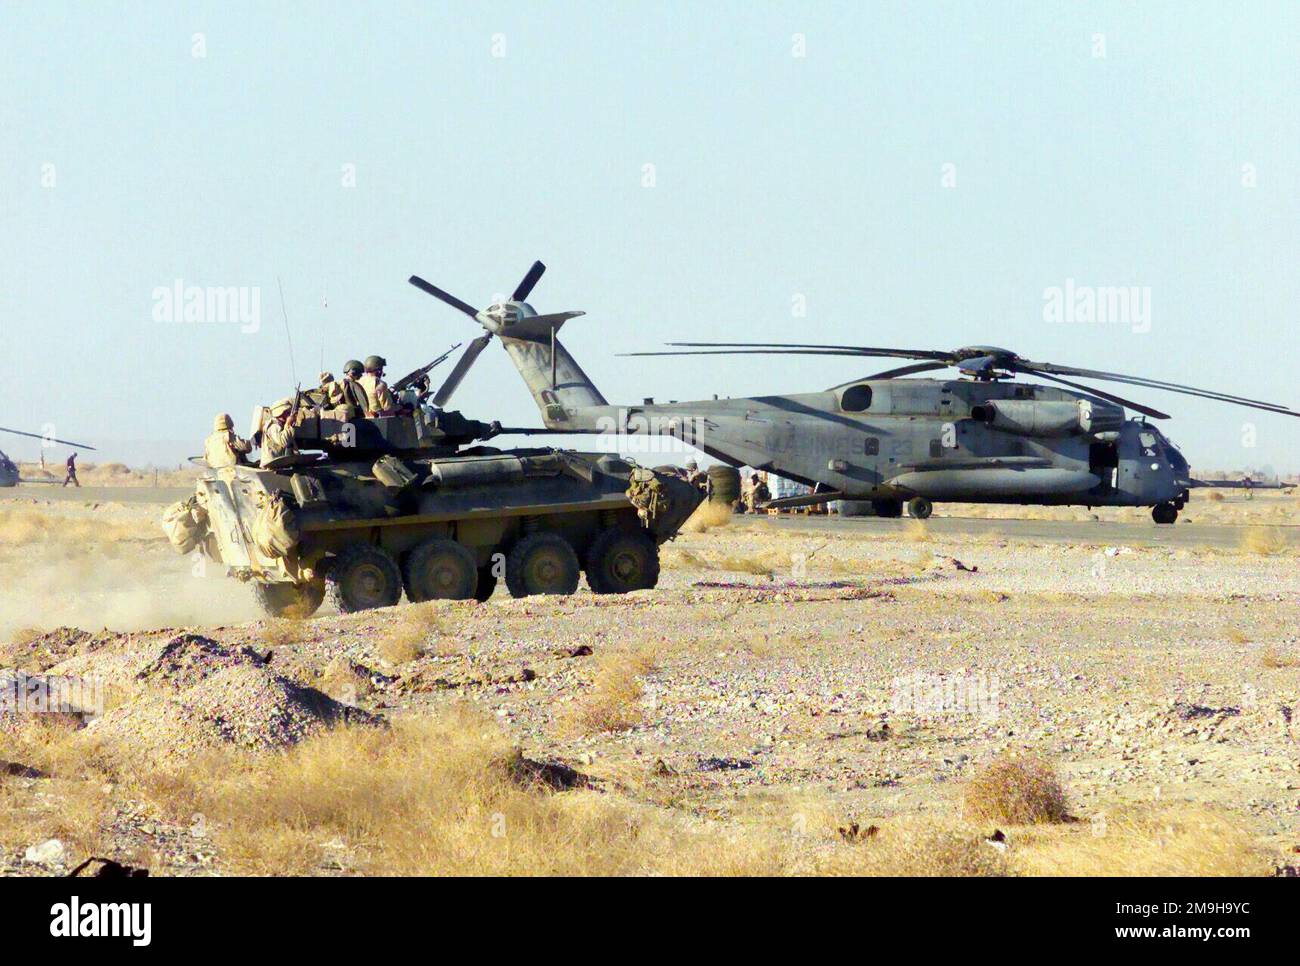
(1030, 417)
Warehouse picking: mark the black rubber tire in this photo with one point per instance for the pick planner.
(487, 584)
(919, 508)
(363, 577)
(542, 563)
(620, 561)
(1164, 513)
(290, 601)
(439, 569)
(890, 509)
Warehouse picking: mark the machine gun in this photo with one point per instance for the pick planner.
(412, 378)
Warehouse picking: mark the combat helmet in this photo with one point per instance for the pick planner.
(375, 363)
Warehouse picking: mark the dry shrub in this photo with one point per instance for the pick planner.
(70, 805)
(23, 527)
(415, 630)
(1016, 790)
(766, 564)
(1263, 541)
(915, 531)
(614, 701)
(24, 636)
(1237, 635)
(1216, 496)
(431, 796)
(278, 632)
(451, 796)
(1274, 658)
(679, 558)
(1183, 841)
(707, 516)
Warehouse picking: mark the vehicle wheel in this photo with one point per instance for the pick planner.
(888, 508)
(294, 601)
(919, 508)
(439, 569)
(487, 584)
(1164, 513)
(542, 563)
(622, 560)
(362, 577)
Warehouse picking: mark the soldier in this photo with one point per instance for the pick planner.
(378, 395)
(694, 476)
(757, 495)
(351, 389)
(277, 434)
(223, 448)
(72, 472)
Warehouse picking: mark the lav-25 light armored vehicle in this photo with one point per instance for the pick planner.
(371, 508)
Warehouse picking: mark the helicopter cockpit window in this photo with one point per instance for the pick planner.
(1148, 441)
(856, 399)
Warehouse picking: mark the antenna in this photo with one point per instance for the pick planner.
(293, 370)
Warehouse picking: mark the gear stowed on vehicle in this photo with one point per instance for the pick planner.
(369, 509)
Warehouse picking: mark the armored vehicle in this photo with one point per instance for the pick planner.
(371, 508)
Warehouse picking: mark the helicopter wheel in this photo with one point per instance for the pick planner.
(1164, 513)
(919, 508)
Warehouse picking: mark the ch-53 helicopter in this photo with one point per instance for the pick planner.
(9, 475)
(892, 441)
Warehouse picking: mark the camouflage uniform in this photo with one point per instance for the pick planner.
(379, 397)
(223, 448)
(277, 435)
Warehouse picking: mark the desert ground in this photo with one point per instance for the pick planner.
(994, 691)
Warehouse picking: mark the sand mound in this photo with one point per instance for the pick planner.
(194, 693)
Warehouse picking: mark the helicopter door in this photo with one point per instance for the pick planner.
(1103, 461)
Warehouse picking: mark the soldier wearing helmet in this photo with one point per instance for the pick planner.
(223, 448)
(351, 393)
(277, 434)
(379, 397)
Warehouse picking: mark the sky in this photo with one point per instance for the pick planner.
(919, 175)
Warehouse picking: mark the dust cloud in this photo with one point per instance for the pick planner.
(105, 566)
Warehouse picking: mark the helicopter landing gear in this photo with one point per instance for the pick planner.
(919, 508)
(1164, 513)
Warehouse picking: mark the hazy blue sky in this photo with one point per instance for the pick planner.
(128, 161)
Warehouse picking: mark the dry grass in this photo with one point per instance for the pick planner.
(1236, 635)
(1275, 658)
(1263, 541)
(417, 629)
(915, 531)
(278, 632)
(614, 701)
(708, 516)
(1016, 790)
(1183, 841)
(26, 527)
(451, 795)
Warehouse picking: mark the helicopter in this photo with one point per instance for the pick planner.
(9, 475)
(882, 438)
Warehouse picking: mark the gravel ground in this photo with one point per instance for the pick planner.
(872, 672)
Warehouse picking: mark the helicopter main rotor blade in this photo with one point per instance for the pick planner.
(1154, 384)
(462, 366)
(525, 286)
(853, 353)
(865, 350)
(52, 439)
(1101, 393)
(447, 297)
